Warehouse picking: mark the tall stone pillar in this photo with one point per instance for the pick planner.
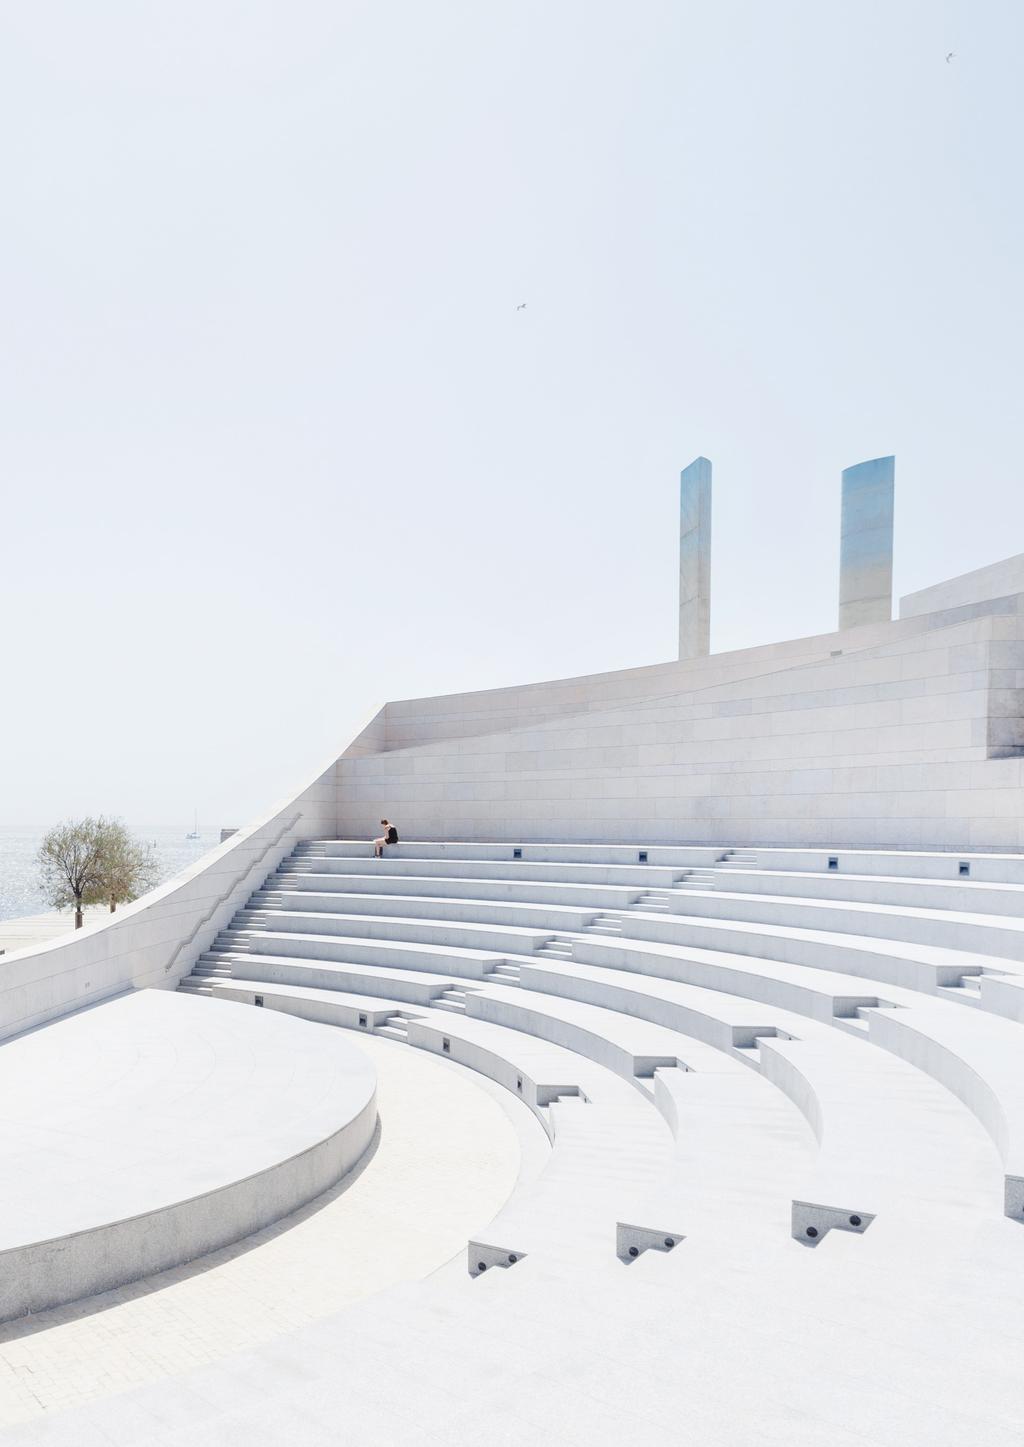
(695, 559)
(865, 548)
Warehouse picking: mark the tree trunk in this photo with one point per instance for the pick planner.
(78, 914)
(113, 905)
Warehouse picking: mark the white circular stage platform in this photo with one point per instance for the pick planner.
(151, 1129)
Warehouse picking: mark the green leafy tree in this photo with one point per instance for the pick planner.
(128, 866)
(70, 864)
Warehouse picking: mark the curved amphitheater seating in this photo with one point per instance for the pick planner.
(781, 1086)
(770, 1116)
(632, 963)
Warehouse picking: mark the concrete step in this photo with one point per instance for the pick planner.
(397, 867)
(558, 949)
(191, 986)
(414, 986)
(505, 974)
(288, 907)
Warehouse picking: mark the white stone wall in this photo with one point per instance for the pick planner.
(998, 580)
(881, 735)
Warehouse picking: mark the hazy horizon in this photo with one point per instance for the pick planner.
(279, 445)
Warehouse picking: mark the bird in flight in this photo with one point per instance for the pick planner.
(521, 307)
(950, 56)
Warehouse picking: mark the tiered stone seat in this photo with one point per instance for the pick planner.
(634, 959)
(984, 932)
(544, 916)
(972, 896)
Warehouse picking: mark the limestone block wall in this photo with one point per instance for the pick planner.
(406, 723)
(998, 580)
(906, 734)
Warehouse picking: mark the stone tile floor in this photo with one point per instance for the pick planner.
(409, 1209)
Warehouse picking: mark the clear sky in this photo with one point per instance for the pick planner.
(277, 445)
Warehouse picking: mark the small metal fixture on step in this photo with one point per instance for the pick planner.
(446, 1044)
(813, 1222)
(479, 1257)
(965, 869)
(833, 861)
(257, 1000)
(362, 1019)
(632, 1241)
(517, 854)
(641, 856)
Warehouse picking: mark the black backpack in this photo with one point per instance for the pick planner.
(392, 836)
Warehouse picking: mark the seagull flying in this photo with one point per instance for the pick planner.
(521, 307)
(950, 56)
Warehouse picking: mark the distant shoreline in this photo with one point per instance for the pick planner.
(39, 929)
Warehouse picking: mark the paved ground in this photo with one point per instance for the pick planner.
(447, 1157)
(39, 929)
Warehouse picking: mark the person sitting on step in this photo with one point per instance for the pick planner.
(390, 836)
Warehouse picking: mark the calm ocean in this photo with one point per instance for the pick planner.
(19, 874)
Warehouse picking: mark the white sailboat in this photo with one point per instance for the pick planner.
(195, 827)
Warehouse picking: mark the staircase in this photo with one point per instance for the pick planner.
(653, 899)
(604, 924)
(194, 985)
(452, 999)
(556, 948)
(739, 859)
(695, 879)
(396, 1027)
(505, 974)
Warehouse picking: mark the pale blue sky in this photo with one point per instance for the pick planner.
(275, 444)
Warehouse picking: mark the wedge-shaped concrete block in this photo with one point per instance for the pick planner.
(633, 1241)
(812, 1222)
(481, 1257)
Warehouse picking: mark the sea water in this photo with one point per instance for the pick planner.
(20, 891)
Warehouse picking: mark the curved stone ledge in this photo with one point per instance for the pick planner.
(158, 1127)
